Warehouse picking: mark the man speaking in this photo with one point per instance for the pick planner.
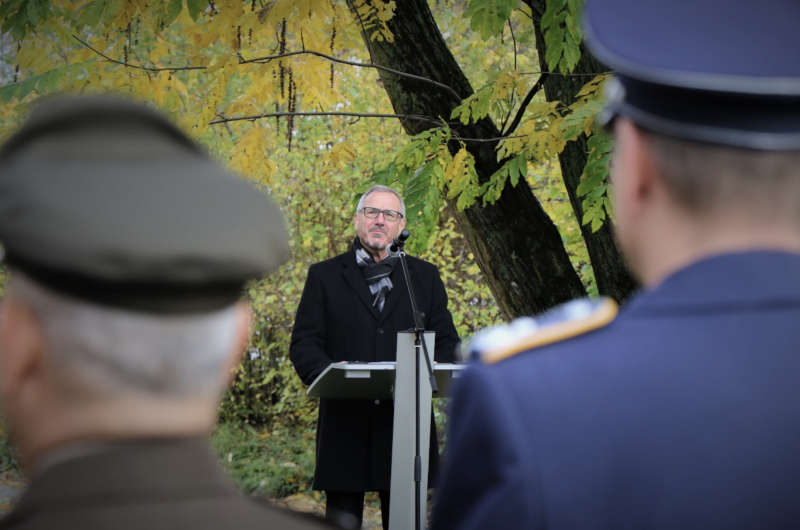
(351, 309)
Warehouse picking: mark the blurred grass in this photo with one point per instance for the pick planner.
(266, 462)
(10, 470)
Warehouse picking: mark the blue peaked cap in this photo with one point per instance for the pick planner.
(717, 71)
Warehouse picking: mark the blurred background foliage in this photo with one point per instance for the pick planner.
(315, 167)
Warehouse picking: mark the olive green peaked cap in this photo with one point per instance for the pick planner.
(105, 199)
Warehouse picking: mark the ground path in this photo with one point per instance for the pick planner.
(300, 502)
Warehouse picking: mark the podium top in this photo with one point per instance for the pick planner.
(343, 380)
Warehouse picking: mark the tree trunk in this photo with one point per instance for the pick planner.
(517, 246)
(610, 272)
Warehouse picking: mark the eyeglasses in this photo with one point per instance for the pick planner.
(391, 216)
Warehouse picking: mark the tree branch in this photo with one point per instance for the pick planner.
(363, 31)
(268, 58)
(332, 113)
(510, 110)
(138, 66)
(511, 97)
(585, 74)
(524, 105)
(357, 115)
(514, 41)
(483, 140)
(524, 13)
(539, 9)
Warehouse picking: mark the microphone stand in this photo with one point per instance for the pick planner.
(419, 341)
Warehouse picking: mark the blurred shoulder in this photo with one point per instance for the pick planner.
(527, 334)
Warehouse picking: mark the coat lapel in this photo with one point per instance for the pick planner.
(355, 280)
(399, 291)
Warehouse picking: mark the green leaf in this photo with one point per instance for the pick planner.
(172, 11)
(572, 54)
(113, 7)
(554, 46)
(415, 191)
(551, 14)
(92, 13)
(489, 16)
(44, 83)
(573, 27)
(386, 176)
(518, 168)
(418, 186)
(575, 6)
(8, 92)
(423, 201)
(462, 111)
(196, 8)
(18, 90)
(597, 192)
(584, 186)
(514, 177)
(596, 206)
(549, 17)
(562, 34)
(48, 81)
(32, 11)
(10, 6)
(511, 171)
(608, 207)
(16, 24)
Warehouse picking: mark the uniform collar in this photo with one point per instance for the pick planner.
(733, 280)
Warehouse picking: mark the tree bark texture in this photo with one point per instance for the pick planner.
(612, 276)
(518, 248)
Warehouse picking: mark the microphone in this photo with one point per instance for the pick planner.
(399, 241)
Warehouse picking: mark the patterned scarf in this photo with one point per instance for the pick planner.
(375, 273)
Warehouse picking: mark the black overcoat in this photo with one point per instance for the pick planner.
(336, 322)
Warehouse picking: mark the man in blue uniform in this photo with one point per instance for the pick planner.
(681, 412)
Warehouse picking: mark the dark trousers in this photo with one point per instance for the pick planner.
(345, 509)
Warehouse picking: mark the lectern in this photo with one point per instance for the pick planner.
(395, 380)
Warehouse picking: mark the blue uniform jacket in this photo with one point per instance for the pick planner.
(682, 413)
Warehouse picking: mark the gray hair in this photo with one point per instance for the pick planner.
(102, 351)
(706, 177)
(381, 187)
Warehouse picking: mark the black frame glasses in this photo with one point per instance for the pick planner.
(391, 216)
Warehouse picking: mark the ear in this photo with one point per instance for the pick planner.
(21, 346)
(244, 321)
(634, 172)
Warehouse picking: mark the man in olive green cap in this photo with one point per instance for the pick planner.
(128, 249)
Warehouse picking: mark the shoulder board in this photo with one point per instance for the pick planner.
(560, 323)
